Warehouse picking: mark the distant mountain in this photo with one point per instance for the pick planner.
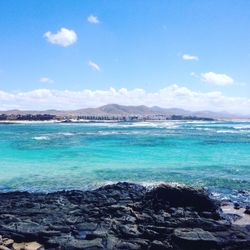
(224, 115)
(121, 110)
(127, 110)
(171, 111)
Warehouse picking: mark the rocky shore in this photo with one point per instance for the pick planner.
(119, 216)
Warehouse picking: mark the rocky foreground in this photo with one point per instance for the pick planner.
(119, 216)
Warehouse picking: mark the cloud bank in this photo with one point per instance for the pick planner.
(171, 96)
(64, 37)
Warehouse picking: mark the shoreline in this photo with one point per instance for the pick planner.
(116, 121)
(122, 216)
(227, 197)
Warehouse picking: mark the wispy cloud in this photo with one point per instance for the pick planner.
(217, 78)
(64, 37)
(46, 80)
(93, 19)
(94, 66)
(171, 96)
(188, 57)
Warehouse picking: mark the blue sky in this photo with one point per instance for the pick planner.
(55, 47)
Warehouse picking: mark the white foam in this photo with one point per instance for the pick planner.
(243, 126)
(226, 131)
(147, 184)
(153, 124)
(120, 132)
(126, 132)
(66, 133)
(204, 129)
(40, 138)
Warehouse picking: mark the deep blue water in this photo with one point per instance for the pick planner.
(46, 157)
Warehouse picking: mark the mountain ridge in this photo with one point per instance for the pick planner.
(123, 110)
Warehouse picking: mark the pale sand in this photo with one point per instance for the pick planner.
(243, 220)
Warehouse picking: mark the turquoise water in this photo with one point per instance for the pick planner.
(47, 157)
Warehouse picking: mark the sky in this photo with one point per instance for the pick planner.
(63, 54)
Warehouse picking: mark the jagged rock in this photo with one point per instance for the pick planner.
(181, 196)
(111, 242)
(57, 241)
(143, 243)
(237, 205)
(127, 219)
(119, 216)
(247, 210)
(31, 230)
(127, 245)
(158, 245)
(150, 234)
(100, 232)
(129, 231)
(87, 226)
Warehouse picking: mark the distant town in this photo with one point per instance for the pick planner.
(48, 117)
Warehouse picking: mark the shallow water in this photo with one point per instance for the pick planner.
(47, 157)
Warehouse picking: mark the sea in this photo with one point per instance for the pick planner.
(46, 157)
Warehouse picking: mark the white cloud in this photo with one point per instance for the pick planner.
(46, 80)
(94, 66)
(93, 19)
(188, 57)
(171, 96)
(64, 37)
(217, 79)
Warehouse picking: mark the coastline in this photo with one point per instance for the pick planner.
(121, 216)
(117, 121)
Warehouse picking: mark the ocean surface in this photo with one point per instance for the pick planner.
(55, 156)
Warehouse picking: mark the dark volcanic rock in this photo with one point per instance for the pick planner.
(237, 205)
(247, 210)
(181, 196)
(195, 238)
(158, 245)
(119, 216)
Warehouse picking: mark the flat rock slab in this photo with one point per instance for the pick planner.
(118, 216)
(85, 244)
(195, 238)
